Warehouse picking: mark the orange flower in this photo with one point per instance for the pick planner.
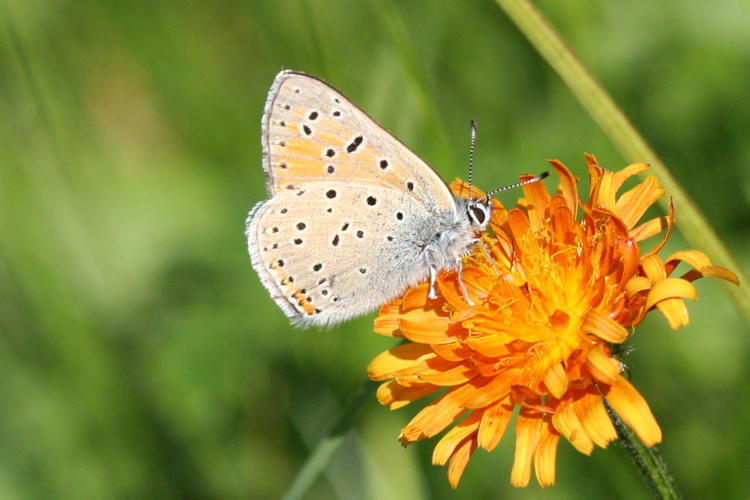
(557, 293)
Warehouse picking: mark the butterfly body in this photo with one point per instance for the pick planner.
(354, 217)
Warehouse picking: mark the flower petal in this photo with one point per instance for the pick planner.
(395, 395)
(602, 366)
(594, 419)
(460, 460)
(566, 421)
(633, 204)
(568, 186)
(670, 288)
(546, 456)
(398, 358)
(528, 430)
(556, 380)
(604, 327)
(495, 420)
(448, 443)
(634, 411)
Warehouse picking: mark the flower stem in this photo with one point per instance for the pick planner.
(692, 223)
(650, 463)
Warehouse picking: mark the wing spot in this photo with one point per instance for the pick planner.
(317, 311)
(400, 215)
(282, 123)
(307, 130)
(287, 107)
(283, 210)
(324, 292)
(336, 113)
(360, 234)
(274, 246)
(320, 282)
(389, 238)
(354, 144)
(383, 164)
(335, 241)
(313, 115)
(317, 267)
(345, 226)
(282, 143)
(290, 186)
(280, 262)
(298, 241)
(336, 100)
(331, 193)
(362, 270)
(300, 192)
(282, 165)
(290, 279)
(371, 200)
(301, 226)
(274, 229)
(334, 299)
(330, 152)
(330, 169)
(410, 185)
(296, 91)
(329, 210)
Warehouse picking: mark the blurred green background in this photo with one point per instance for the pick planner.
(139, 355)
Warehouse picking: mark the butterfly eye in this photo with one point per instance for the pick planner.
(478, 213)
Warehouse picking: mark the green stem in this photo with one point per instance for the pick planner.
(649, 462)
(318, 460)
(625, 137)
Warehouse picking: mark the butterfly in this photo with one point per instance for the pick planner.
(353, 217)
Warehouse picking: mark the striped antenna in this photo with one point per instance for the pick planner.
(538, 178)
(471, 154)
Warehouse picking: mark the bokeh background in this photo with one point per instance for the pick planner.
(139, 355)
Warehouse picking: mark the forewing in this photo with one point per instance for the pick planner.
(313, 133)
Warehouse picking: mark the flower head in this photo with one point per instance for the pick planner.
(551, 293)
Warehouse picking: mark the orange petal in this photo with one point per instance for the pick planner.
(427, 326)
(460, 460)
(712, 272)
(568, 186)
(649, 228)
(633, 204)
(545, 456)
(556, 380)
(633, 169)
(396, 359)
(395, 395)
(653, 266)
(667, 234)
(566, 421)
(604, 327)
(634, 411)
(675, 311)
(670, 288)
(387, 321)
(528, 430)
(594, 419)
(602, 366)
(448, 443)
(537, 202)
(637, 284)
(495, 420)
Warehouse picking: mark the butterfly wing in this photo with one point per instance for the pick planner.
(313, 133)
(350, 206)
(330, 251)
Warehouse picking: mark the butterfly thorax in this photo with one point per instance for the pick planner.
(457, 234)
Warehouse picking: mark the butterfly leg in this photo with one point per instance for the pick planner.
(433, 277)
(459, 269)
(489, 258)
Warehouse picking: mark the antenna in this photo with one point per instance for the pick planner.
(538, 178)
(471, 154)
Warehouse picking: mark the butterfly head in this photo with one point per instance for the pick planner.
(478, 213)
